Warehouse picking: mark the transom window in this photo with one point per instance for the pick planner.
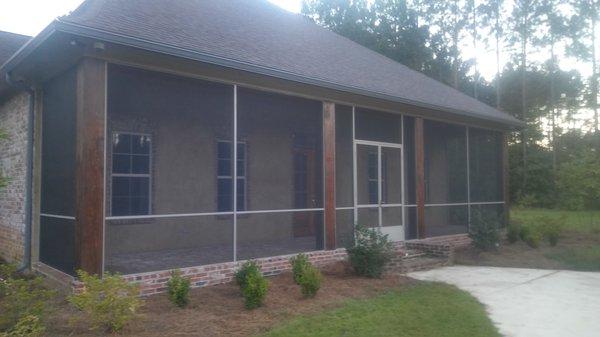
(224, 176)
(130, 176)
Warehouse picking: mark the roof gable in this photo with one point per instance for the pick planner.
(10, 43)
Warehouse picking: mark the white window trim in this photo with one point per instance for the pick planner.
(234, 167)
(132, 175)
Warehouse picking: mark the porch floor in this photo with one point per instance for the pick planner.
(140, 262)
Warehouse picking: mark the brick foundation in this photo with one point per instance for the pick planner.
(438, 252)
(13, 165)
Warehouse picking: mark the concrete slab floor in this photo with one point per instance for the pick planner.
(530, 302)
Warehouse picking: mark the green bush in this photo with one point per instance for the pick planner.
(371, 252)
(533, 238)
(512, 233)
(484, 230)
(524, 232)
(255, 290)
(27, 326)
(551, 229)
(252, 283)
(23, 301)
(108, 302)
(178, 289)
(310, 280)
(249, 267)
(299, 263)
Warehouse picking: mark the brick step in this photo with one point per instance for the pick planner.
(413, 253)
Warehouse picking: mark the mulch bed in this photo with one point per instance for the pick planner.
(219, 310)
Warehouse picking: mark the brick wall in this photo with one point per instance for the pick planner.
(156, 282)
(13, 161)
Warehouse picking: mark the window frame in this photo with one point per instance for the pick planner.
(133, 175)
(244, 177)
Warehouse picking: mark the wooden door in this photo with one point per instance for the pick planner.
(304, 192)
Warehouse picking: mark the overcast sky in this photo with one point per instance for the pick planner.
(31, 16)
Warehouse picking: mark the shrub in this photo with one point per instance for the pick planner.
(108, 302)
(484, 230)
(512, 233)
(252, 283)
(255, 290)
(310, 280)
(298, 262)
(524, 232)
(551, 229)
(249, 267)
(23, 301)
(533, 238)
(371, 252)
(27, 326)
(178, 289)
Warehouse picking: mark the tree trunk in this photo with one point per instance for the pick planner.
(552, 106)
(594, 72)
(524, 39)
(497, 54)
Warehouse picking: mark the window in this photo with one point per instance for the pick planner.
(224, 177)
(130, 174)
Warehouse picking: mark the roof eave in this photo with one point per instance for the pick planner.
(67, 27)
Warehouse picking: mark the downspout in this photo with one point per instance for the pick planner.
(26, 263)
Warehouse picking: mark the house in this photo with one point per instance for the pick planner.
(154, 135)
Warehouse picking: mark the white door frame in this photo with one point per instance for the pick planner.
(397, 233)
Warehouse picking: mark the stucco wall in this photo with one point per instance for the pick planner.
(13, 161)
(186, 118)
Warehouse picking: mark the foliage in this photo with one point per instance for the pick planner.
(252, 283)
(310, 280)
(372, 250)
(23, 301)
(178, 289)
(299, 263)
(484, 229)
(254, 290)
(533, 238)
(551, 227)
(241, 275)
(426, 309)
(578, 183)
(512, 232)
(27, 326)
(109, 302)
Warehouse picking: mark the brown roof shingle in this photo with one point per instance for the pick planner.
(10, 43)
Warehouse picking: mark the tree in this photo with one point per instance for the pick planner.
(556, 31)
(524, 23)
(490, 12)
(583, 30)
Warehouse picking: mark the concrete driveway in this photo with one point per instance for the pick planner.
(530, 302)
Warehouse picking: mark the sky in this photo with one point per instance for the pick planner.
(29, 17)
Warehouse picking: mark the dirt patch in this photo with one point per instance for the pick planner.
(519, 255)
(219, 310)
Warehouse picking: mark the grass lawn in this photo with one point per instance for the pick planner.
(578, 247)
(583, 222)
(423, 310)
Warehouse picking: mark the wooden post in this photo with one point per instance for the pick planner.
(89, 167)
(420, 176)
(505, 178)
(329, 172)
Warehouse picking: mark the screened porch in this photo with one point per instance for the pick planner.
(198, 172)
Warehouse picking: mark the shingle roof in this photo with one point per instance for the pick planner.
(258, 33)
(9, 44)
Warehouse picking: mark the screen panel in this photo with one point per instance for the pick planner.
(378, 126)
(485, 165)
